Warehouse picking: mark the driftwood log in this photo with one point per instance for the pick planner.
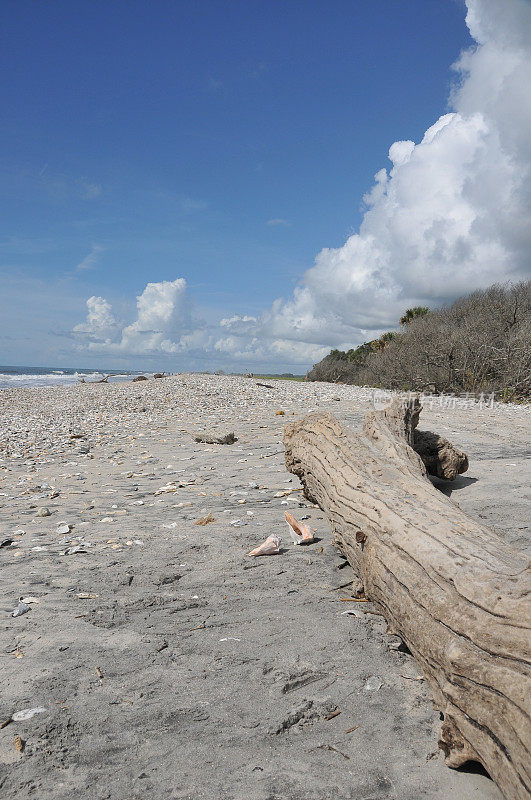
(440, 457)
(454, 591)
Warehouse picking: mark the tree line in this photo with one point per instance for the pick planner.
(479, 343)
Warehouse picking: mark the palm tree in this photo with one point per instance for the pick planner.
(413, 313)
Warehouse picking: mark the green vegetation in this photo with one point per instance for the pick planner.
(480, 343)
(286, 376)
(413, 313)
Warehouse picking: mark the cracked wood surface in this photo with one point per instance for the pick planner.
(455, 592)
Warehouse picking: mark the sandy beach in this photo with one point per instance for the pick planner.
(166, 663)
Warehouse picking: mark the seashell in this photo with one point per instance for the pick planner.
(27, 713)
(64, 528)
(300, 533)
(268, 548)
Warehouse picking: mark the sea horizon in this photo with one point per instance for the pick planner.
(17, 376)
(14, 376)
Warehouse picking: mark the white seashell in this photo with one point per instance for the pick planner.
(300, 534)
(27, 713)
(270, 547)
(64, 528)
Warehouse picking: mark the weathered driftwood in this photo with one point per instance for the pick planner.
(209, 438)
(448, 586)
(440, 457)
(105, 379)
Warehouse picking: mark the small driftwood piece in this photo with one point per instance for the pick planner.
(105, 379)
(454, 591)
(207, 438)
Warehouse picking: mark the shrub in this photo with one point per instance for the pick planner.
(480, 343)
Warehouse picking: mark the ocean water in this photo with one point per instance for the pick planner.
(11, 377)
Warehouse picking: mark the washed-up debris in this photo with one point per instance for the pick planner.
(87, 596)
(27, 713)
(205, 520)
(270, 547)
(43, 512)
(333, 749)
(22, 608)
(6, 542)
(280, 413)
(19, 744)
(206, 438)
(300, 534)
(78, 548)
(373, 684)
(354, 728)
(169, 487)
(64, 528)
(29, 600)
(335, 713)
(342, 586)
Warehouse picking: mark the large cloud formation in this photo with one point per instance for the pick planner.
(452, 214)
(164, 324)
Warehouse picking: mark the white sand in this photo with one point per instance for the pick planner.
(169, 663)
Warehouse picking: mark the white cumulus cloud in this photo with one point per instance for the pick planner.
(451, 214)
(164, 324)
(100, 325)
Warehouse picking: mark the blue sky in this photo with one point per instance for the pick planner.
(225, 143)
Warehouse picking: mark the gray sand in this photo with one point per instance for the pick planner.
(170, 664)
